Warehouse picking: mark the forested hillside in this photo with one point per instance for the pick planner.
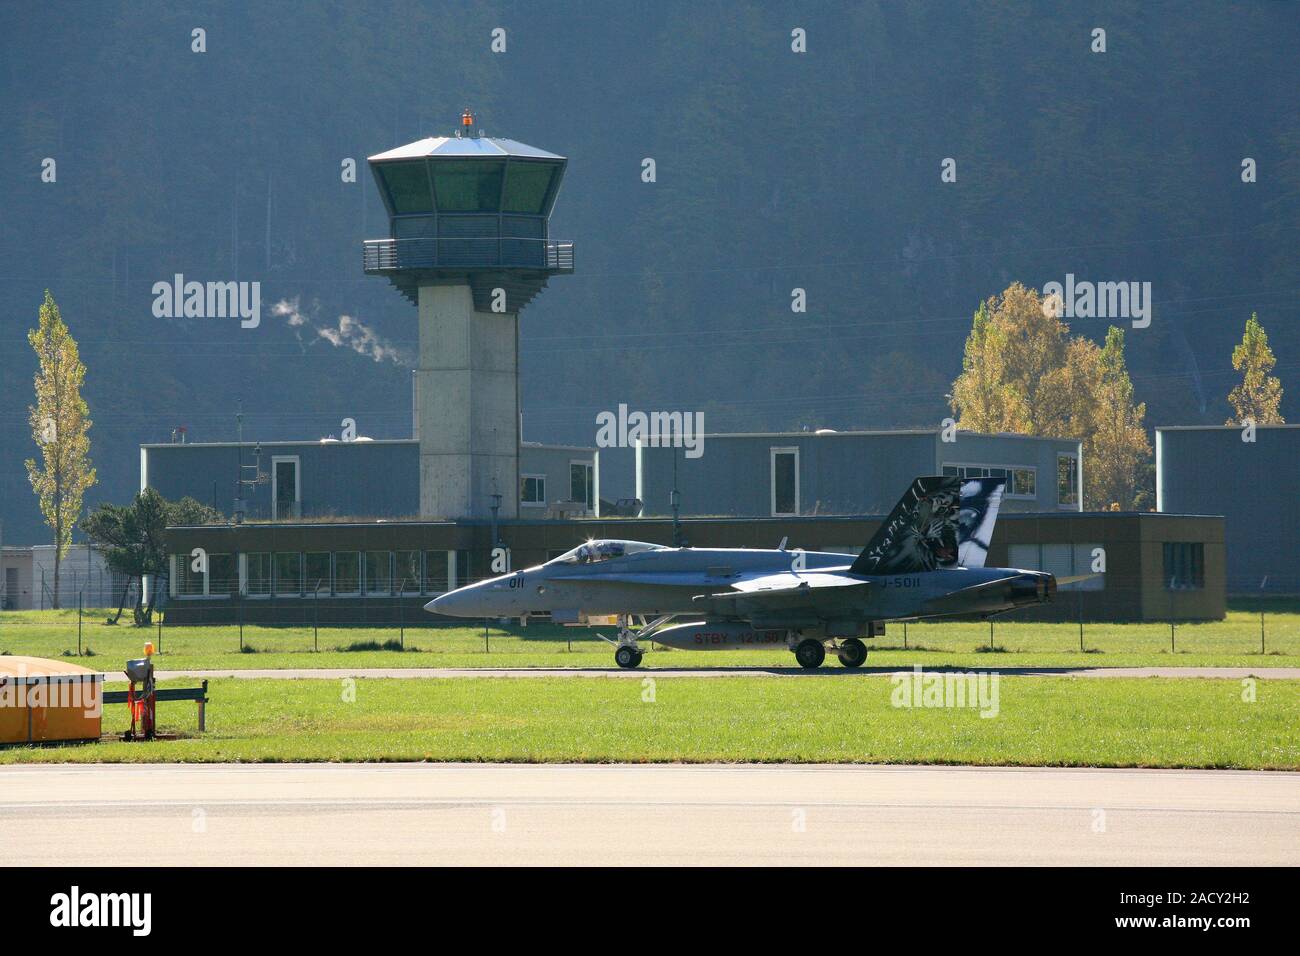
(775, 170)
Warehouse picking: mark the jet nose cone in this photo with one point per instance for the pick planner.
(453, 603)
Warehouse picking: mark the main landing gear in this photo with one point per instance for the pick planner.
(810, 653)
(852, 652)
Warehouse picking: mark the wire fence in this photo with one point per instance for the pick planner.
(1262, 628)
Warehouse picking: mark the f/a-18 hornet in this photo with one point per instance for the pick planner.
(925, 562)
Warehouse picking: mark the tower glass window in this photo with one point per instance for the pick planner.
(468, 185)
(527, 185)
(408, 185)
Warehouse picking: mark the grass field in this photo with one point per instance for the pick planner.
(1234, 641)
(1038, 721)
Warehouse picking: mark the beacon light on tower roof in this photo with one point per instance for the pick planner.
(469, 243)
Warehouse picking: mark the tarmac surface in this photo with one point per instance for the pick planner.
(456, 814)
(334, 673)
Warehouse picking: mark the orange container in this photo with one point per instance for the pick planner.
(43, 700)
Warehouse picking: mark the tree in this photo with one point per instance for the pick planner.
(132, 539)
(1015, 343)
(1259, 396)
(60, 427)
(1024, 373)
(1118, 449)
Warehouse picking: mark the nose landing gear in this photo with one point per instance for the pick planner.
(627, 656)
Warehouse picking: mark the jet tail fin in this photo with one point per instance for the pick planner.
(941, 522)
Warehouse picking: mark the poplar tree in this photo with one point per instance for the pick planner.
(1259, 396)
(60, 427)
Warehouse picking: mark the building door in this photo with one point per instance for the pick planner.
(580, 482)
(286, 496)
(9, 600)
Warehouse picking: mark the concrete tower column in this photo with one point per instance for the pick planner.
(467, 406)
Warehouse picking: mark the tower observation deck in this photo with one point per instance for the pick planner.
(469, 208)
(469, 243)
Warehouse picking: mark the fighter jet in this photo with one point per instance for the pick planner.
(925, 562)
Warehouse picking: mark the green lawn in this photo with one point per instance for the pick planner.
(1234, 641)
(1039, 721)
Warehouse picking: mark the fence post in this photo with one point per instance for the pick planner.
(990, 634)
(1261, 629)
(241, 623)
(159, 611)
(401, 616)
(315, 617)
(904, 635)
(486, 648)
(79, 603)
(1171, 638)
(1080, 605)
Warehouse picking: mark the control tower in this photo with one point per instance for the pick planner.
(469, 243)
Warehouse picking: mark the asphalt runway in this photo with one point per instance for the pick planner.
(478, 814)
(334, 673)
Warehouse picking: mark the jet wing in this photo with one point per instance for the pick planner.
(784, 591)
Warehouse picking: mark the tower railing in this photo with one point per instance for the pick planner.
(391, 255)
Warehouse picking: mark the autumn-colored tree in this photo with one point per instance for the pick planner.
(1024, 373)
(1014, 344)
(1259, 396)
(1118, 447)
(60, 427)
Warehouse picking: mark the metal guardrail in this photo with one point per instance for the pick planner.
(388, 255)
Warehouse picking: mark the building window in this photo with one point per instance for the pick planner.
(288, 573)
(1020, 482)
(223, 574)
(406, 572)
(347, 572)
(316, 573)
(379, 572)
(1067, 481)
(259, 573)
(580, 483)
(286, 496)
(785, 481)
(467, 570)
(435, 572)
(1184, 566)
(1062, 560)
(189, 583)
(532, 491)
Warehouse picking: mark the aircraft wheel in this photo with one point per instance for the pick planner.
(810, 653)
(639, 656)
(626, 656)
(853, 653)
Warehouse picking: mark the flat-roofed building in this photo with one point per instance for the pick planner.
(1248, 476)
(780, 474)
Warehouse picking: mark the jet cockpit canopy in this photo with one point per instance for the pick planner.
(603, 549)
